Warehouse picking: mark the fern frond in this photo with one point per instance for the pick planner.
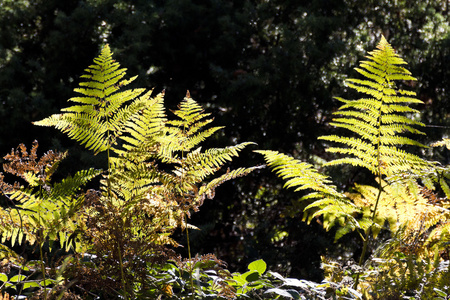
(335, 208)
(402, 206)
(145, 126)
(189, 127)
(208, 189)
(299, 175)
(41, 210)
(444, 142)
(71, 184)
(99, 117)
(379, 120)
(198, 165)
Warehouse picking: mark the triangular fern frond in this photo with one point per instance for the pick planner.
(190, 126)
(99, 117)
(378, 121)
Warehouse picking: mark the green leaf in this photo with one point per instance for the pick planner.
(251, 276)
(3, 277)
(10, 285)
(258, 265)
(18, 278)
(47, 282)
(31, 284)
(439, 292)
(240, 279)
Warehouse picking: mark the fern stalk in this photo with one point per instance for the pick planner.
(122, 274)
(41, 254)
(367, 236)
(191, 266)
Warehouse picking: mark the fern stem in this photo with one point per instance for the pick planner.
(119, 246)
(42, 259)
(191, 267)
(122, 274)
(366, 238)
(380, 189)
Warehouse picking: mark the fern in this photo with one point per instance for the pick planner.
(404, 207)
(444, 142)
(151, 138)
(41, 210)
(157, 175)
(378, 121)
(150, 202)
(99, 116)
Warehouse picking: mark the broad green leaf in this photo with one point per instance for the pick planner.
(240, 279)
(258, 265)
(18, 278)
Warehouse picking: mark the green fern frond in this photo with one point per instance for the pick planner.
(299, 175)
(208, 189)
(189, 127)
(444, 142)
(431, 178)
(145, 128)
(199, 164)
(379, 120)
(41, 210)
(335, 208)
(163, 198)
(99, 117)
(72, 184)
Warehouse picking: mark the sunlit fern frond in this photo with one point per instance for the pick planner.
(208, 189)
(198, 165)
(435, 179)
(158, 165)
(379, 121)
(190, 126)
(72, 184)
(99, 115)
(400, 205)
(148, 124)
(335, 208)
(439, 175)
(299, 175)
(444, 142)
